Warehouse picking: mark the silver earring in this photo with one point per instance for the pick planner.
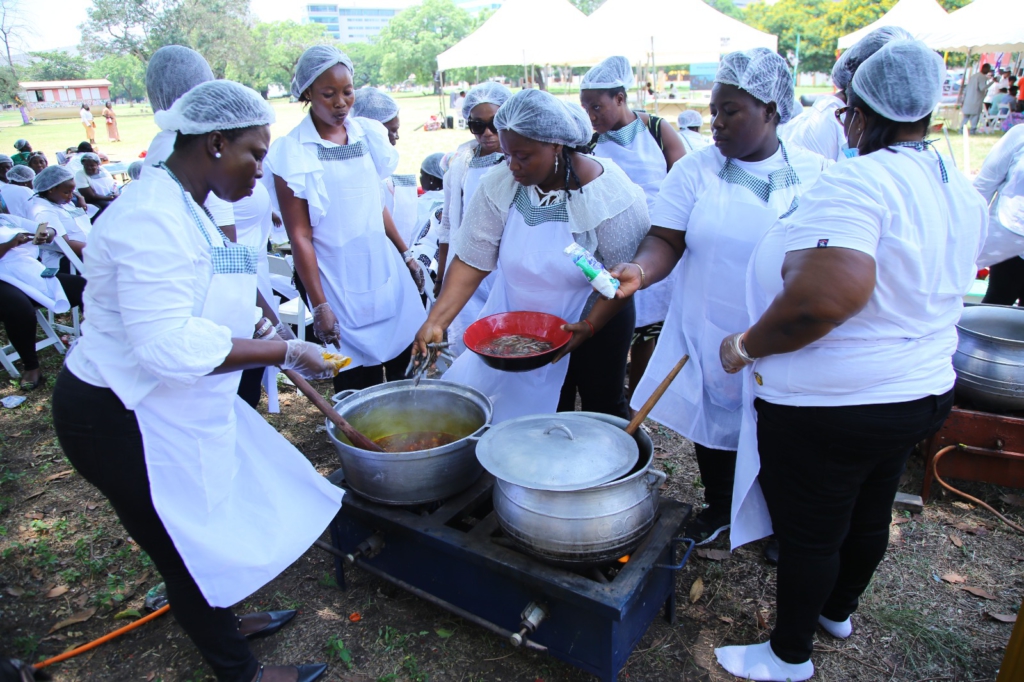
(216, 155)
(556, 164)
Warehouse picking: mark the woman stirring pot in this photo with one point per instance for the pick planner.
(522, 217)
(146, 406)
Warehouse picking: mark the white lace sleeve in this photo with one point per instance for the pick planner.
(619, 236)
(476, 242)
(444, 229)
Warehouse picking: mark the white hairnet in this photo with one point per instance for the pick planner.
(6, 159)
(485, 93)
(174, 70)
(21, 144)
(614, 72)
(541, 116)
(135, 170)
(690, 119)
(21, 174)
(432, 165)
(762, 73)
(314, 62)
(50, 177)
(846, 65)
(902, 81)
(216, 105)
(372, 103)
(90, 156)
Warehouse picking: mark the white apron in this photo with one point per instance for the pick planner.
(362, 273)
(403, 207)
(76, 225)
(533, 274)
(102, 183)
(470, 313)
(239, 501)
(727, 220)
(636, 152)
(20, 268)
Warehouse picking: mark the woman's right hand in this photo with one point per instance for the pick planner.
(308, 360)
(19, 239)
(430, 332)
(325, 325)
(630, 279)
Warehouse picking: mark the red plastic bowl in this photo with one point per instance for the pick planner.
(538, 325)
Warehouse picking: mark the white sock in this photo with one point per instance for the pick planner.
(758, 662)
(838, 629)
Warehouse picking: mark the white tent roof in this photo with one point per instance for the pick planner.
(920, 17)
(682, 31)
(520, 32)
(982, 26)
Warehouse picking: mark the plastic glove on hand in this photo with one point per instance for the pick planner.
(284, 331)
(731, 354)
(308, 359)
(418, 275)
(325, 325)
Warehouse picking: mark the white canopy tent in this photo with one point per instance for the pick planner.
(920, 17)
(674, 31)
(982, 26)
(520, 32)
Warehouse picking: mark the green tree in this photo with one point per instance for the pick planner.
(126, 73)
(268, 54)
(217, 29)
(951, 5)
(412, 39)
(727, 8)
(56, 66)
(588, 7)
(120, 27)
(368, 60)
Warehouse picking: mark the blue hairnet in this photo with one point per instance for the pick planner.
(846, 65)
(541, 116)
(314, 62)
(372, 103)
(174, 70)
(485, 93)
(614, 72)
(763, 74)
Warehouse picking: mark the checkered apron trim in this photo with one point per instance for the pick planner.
(485, 161)
(924, 145)
(792, 208)
(777, 180)
(404, 180)
(341, 152)
(625, 135)
(536, 215)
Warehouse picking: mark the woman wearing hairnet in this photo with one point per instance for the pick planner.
(428, 212)
(854, 302)
(95, 184)
(146, 406)
(522, 217)
(712, 208)
(359, 277)
(1001, 183)
(690, 122)
(466, 168)
(645, 147)
(16, 194)
(54, 203)
(817, 128)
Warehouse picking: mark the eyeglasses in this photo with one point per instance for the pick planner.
(478, 127)
(841, 114)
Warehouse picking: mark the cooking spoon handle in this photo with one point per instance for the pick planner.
(357, 439)
(640, 416)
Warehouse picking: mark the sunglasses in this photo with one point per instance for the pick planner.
(841, 114)
(478, 127)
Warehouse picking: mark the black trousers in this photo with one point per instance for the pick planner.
(717, 472)
(1005, 282)
(18, 313)
(829, 476)
(597, 369)
(250, 386)
(102, 440)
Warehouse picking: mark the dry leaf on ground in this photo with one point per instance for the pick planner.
(696, 590)
(900, 519)
(977, 592)
(1002, 617)
(15, 591)
(60, 474)
(955, 539)
(79, 617)
(1015, 500)
(714, 554)
(954, 578)
(56, 592)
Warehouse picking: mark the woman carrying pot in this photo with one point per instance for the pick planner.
(146, 406)
(466, 167)
(522, 217)
(854, 303)
(712, 209)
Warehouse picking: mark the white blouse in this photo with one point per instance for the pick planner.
(609, 217)
(149, 272)
(159, 149)
(62, 218)
(817, 128)
(16, 198)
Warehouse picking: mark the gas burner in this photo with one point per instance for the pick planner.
(455, 555)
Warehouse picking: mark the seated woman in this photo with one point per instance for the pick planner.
(15, 195)
(54, 204)
(854, 300)
(38, 162)
(95, 184)
(22, 289)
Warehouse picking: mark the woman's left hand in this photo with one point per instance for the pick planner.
(581, 331)
(418, 275)
(728, 352)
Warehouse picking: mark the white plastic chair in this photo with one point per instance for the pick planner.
(294, 310)
(8, 355)
(77, 268)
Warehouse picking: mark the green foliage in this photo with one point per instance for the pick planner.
(126, 73)
(56, 66)
(951, 5)
(727, 8)
(368, 59)
(336, 649)
(412, 40)
(119, 27)
(588, 7)
(267, 53)
(216, 29)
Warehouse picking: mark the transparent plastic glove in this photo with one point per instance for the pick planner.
(732, 353)
(325, 325)
(308, 360)
(284, 331)
(418, 275)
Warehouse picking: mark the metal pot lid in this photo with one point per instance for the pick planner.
(557, 452)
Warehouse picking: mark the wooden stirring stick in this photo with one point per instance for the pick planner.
(357, 439)
(640, 416)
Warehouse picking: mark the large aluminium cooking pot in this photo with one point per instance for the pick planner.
(593, 526)
(402, 407)
(989, 358)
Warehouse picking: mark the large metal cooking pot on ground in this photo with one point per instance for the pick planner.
(989, 358)
(402, 407)
(592, 526)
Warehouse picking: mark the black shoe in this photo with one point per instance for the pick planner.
(278, 619)
(33, 385)
(707, 526)
(771, 552)
(311, 672)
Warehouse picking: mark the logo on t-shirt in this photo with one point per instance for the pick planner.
(822, 243)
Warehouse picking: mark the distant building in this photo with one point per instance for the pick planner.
(64, 94)
(355, 21)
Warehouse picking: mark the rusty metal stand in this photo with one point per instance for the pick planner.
(990, 448)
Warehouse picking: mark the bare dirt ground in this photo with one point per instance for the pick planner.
(63, 555)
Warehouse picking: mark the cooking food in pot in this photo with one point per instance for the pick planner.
(516, 345)
(415, 441)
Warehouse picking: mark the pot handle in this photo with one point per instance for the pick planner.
(659, 478)
(675, 543)
(483, 431)
(338, 397)
(560, 427)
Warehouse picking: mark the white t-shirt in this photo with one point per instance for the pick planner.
(67, 219)
(1001, 183)
(159, 149)
(924, 235)
(16, 198)
(86, 116)
(817, 128)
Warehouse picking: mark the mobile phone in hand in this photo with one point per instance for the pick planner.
(49, 272)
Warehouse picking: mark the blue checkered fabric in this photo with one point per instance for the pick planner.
(342, 152)
(485, 161)
(625, 135)
(924, 145)
(404, 180)
(234, 259)
(792, 208)
(195, 216)
(777, 180)
(536, 215)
